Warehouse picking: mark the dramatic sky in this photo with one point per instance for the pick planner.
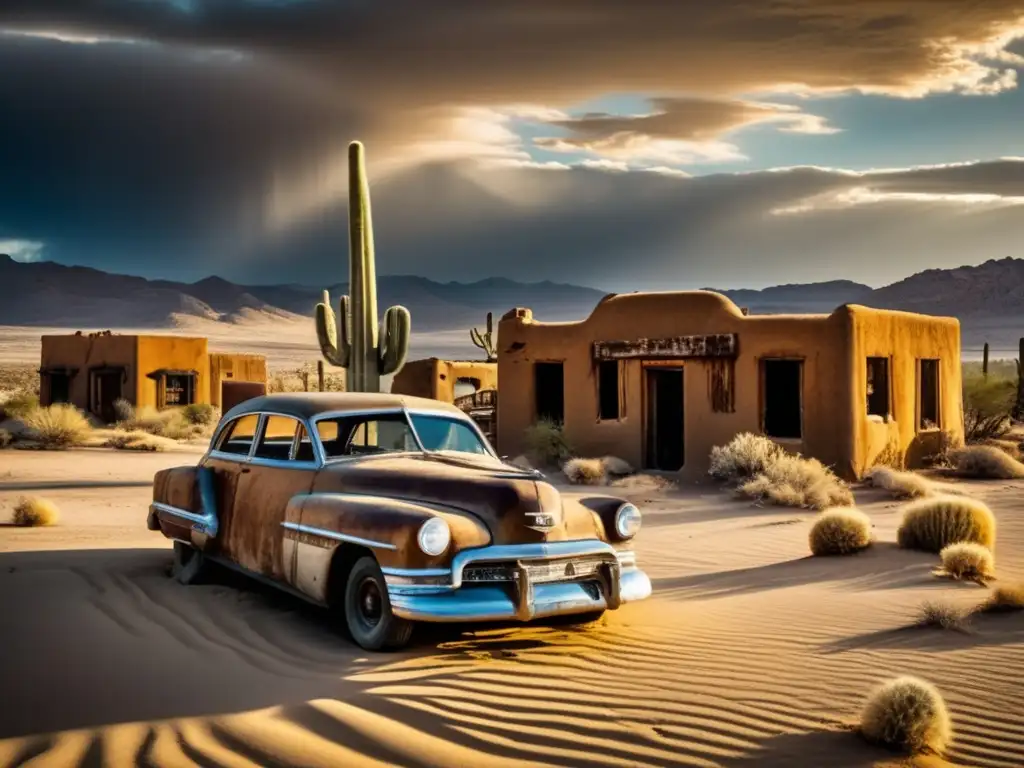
(621, 144)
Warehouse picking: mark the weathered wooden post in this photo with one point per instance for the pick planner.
(305, 380)
(984, 360)
(320, 375)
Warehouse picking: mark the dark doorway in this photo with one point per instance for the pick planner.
(782, 398)
(549, 391)
(929, 395)
(106, 388)
(665, 418)
(608, 390)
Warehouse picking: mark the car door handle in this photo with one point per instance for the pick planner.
(245, 470)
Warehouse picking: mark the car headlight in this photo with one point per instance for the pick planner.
(434, 536)
(627, 521)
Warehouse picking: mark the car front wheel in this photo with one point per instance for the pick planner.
(368, 609)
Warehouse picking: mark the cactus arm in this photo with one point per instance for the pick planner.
(395, 332)
(477, 339)
(327, 332)
(484, 340)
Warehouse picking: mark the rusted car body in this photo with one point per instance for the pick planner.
(392, 510)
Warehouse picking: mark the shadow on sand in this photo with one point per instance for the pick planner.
(832, 748)
(883, 566)
(982, 629)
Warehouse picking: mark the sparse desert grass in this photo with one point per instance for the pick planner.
(57, 426)
(202, 414)
(546, 445)
(840, 531)
(643, 482)
(793, 481)
(939, 615)
(303, 379)
(18, 404)
(134, 441)
(170, 423)
(934, 523)
(35, 511)
(967, 561)
(907, 714)
(1007, 445)
(581, 471)
(900, 485)
(1004, 599)
(986, 462)
(745, 456)
(988, 401)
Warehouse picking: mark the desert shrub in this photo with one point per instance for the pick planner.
(614, 466)
(1004, 599)
(840, 531)
(1007, 445)
(941, 616)
(6, 438)
(988, 402)
(907, 714)
(969, 561)
(900, 485)
(58, 426)
(585, 471)
(934, 523)
(892, 457)
(745, 456)
(986, 462)
(133, 441)
(793, 481)
(546, 444)
(643, 483)
(123, 410)
(33, 511)
(203, 414)
(18, 405)
(170, 423)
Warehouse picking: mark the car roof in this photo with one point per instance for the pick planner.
(307, 405)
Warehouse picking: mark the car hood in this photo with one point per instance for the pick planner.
(504, 498)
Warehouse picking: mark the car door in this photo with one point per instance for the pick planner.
(277, 470)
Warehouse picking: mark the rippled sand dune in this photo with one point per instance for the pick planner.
(751, 653)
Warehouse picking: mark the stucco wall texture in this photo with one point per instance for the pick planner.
(833, 349)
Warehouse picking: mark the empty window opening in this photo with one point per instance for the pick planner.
(608, 390)
(60, 387)
(465, 386)
(878, 386)
(929, 395)
(782, 398)
(239, 436)
(549, 391)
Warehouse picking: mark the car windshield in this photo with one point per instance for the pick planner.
(440, 433)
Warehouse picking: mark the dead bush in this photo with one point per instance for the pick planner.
(585, 471)
(546, 445)
(986, 462)
(899, 485)
(170, 423)
(934, 523)
(35, 511)
(18, 405)
(643, 483)
(988, 402)
(907, 714)
(202, 414)
(840, 531)
(745, 456)
(57, 426)
(123, 410)
(616, 467)
(793, 481)
(941, 616)
(1004, 599)
(967, 561)
(134, 441)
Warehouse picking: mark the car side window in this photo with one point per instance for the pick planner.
(239, 435)
(366, 435)
(278, 438)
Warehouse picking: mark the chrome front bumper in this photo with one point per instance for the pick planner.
(519, 583)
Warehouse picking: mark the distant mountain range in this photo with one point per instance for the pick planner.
(988, 299)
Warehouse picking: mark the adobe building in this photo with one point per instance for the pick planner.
(93, 370)
(658, 379)
(469, 384)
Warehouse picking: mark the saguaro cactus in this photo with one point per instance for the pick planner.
(353, 341)
(485, 340)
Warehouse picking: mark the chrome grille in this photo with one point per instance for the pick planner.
(539, 571)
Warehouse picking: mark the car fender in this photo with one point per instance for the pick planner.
(316, 525)
(185, 505)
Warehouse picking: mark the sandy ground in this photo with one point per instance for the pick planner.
(750, 653)
(285, 344)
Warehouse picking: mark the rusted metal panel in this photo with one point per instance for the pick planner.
(673, 347)
(721, 385)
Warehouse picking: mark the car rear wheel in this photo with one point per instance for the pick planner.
(189, 566)
(368, 609)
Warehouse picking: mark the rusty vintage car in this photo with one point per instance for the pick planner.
(391, 510)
